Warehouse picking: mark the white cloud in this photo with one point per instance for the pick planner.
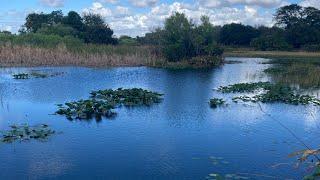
(97, 8)
(228, 3)
(144, 3)
(141, 23)
(52, 3)
(109, 1)
(312, 3)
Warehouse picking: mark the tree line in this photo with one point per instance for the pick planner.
(296, 27)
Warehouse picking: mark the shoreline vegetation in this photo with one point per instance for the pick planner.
(249, 52)
(56, 39)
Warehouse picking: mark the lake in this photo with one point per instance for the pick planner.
(180, 138)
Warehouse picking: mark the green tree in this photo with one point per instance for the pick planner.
(237, 34)
(97, 31)
(74, 20)
(178, 42)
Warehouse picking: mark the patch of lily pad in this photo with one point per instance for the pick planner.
(216, 102)
(34, 74)
(269, 93)
(102, 103)
(25, 133)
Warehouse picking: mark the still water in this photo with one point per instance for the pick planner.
(180, 138)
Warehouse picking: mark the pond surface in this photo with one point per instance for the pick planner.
(180, 138)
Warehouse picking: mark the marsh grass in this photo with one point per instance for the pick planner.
(305, 74)
(83, 55)
(247, 52)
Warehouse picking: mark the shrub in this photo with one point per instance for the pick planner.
(269, 43)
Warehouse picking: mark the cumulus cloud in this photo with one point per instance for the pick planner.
(143, 3)
(109, 1)
(98, 8)
(312, 3)
(227, 3)
(122, 21)
(52, 3)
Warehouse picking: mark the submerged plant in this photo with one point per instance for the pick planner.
(101, 103)
(25, 132)
(216, 102)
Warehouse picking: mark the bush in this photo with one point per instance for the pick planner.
(40, 40)
(311, 47)
(270, 43)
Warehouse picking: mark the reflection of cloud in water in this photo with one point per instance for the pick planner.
(49, 166)
(312, 118)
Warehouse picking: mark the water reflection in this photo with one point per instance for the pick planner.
(158, 142)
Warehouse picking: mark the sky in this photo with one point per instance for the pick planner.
(136, 17)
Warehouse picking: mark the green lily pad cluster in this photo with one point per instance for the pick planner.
(21, 76)
(271, 93)
(35, 74)
(216, 102)
(101, 103)
(245, 87)
(128, 97)
(26, 132)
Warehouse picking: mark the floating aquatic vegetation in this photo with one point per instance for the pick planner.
(216, 176)
(216, 102)
(21, 76)
(245, 87)
(25, 132)
(101, 103)
(128, 97)
(35, 74)
(282, 94)
(270, 93)
(86, 109)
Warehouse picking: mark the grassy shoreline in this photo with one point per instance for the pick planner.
(119, 56)
(240, 52)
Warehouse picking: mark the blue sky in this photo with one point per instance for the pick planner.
(136, 17)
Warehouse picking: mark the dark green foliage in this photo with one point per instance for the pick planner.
(74, 20)
(91, 27)
(128, 97)
(86, 109)
(182, 40)
(216, 102)
(102, 102)
(270, 43)
(127, 40)
(25, 133)
(245, 87)
(237, 34)
(302, 24)
(58, 29)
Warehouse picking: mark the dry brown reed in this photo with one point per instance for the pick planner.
(21, 55)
